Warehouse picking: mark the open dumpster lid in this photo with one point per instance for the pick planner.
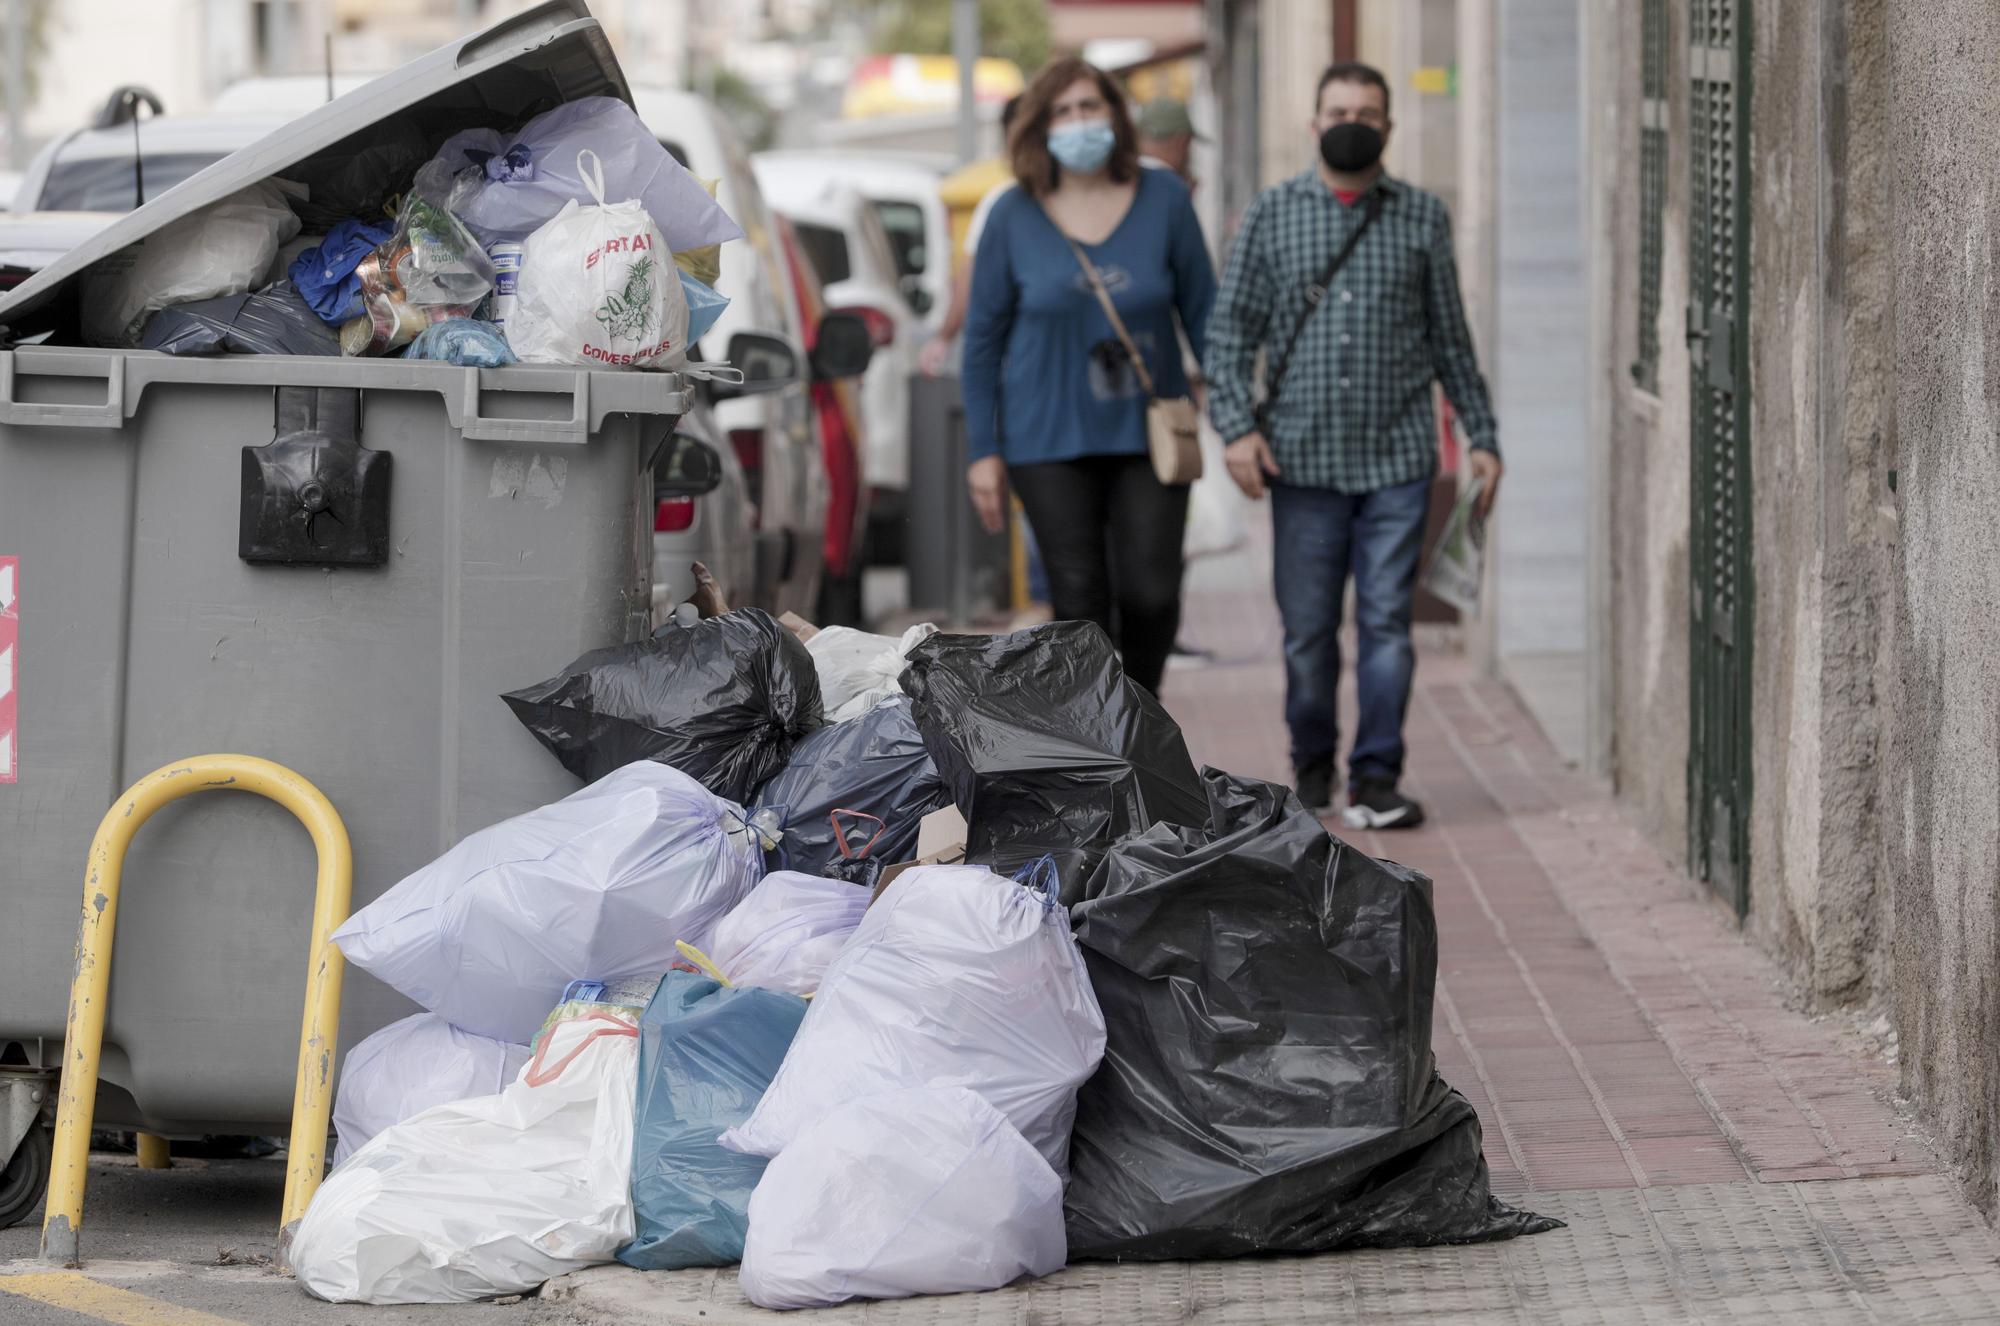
(537, 59)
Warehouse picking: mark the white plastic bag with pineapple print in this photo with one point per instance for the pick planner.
(598, 287)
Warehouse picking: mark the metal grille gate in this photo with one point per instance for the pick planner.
(1719, 500)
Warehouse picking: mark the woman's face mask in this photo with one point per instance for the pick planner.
(1082, 146)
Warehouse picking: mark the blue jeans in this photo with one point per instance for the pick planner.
(1320, 536)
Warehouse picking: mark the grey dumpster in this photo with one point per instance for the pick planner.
(335, 564)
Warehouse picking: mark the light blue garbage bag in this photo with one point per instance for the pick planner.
(706, 1054)
(704, 305)
(468, 342)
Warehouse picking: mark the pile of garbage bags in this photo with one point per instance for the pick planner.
(729, 1004)
(575, 238)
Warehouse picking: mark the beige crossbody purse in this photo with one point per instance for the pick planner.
(1172, 427)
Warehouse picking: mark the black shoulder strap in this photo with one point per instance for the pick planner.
(1315, 294)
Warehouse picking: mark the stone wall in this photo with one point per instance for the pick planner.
(1942, 778)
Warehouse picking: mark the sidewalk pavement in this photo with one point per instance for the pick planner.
(1717, 1154)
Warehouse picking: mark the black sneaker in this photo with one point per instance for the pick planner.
(1375, 804)
(1314, 785)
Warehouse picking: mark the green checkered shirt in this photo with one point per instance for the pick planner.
(1353, 412)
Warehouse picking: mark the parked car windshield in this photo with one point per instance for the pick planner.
(905, 224)
(827, 248)
(111, 184)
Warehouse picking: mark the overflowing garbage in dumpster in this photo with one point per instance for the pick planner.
(1193, 1023)
(572, 237)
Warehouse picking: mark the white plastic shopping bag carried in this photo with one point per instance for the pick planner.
(1216, 522)
(857, 671)
(487, 1196)
(597, 287)
(785, 934)
(411, 1065)
(596, 886)
(955, 977)
(922, 1191)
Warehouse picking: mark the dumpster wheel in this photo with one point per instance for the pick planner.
(25, 1178)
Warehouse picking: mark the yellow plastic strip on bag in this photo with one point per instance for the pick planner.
(705, 263)
(702, 960)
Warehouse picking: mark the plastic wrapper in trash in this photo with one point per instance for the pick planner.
(928, 1190)
(361, 176)
(464, 341)
(706, 1054)
(627, 995)
(270, 322)
(787, 932)
(222, 249)
(433, 258)
(491, 1195)
(955, 977)
(703, 263)
(519, 181)
(326, 274)
(723, 701)
(598, 885)
(1047, 746)
(596, 289)
(857, 671)
(409, 1066)
(1268, 1084)
(705, 305)
(855, 789)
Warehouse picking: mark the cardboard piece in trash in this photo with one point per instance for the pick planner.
(940, 842)
(950, 855)
(940, 829)
(798, 626)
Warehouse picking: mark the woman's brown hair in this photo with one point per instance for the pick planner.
(1028, 140)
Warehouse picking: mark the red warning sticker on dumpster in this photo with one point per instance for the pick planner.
(10, 664)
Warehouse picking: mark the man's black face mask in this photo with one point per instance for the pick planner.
(1350, 147)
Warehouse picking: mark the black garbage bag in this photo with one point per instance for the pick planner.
(864, 784)
(358, 178)
(1268, 1083)
(274, 321)
(723, 701)
(1047, 746)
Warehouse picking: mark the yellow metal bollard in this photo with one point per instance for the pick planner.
(153, 1152)
(312, 1092)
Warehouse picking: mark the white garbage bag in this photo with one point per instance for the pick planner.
(409, 1066)
(955, 977)
(787, 931)
(598, 885)
(597, 287)
(857, 671)
(487, 1196)
(921, 1191)
(221, 249)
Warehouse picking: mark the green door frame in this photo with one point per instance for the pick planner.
(1721, 597)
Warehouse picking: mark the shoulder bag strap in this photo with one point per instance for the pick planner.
(1111, 312)
(1315, 295)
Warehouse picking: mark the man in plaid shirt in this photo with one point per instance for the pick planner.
(1346, 439)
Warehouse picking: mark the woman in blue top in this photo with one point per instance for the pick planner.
(1052, 403)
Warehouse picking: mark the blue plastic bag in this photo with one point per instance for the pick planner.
(863, 785)
(706, 1054)
(704, 305)
(325, 274)
(465, 341)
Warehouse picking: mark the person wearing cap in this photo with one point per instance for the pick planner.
(1167, 136)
